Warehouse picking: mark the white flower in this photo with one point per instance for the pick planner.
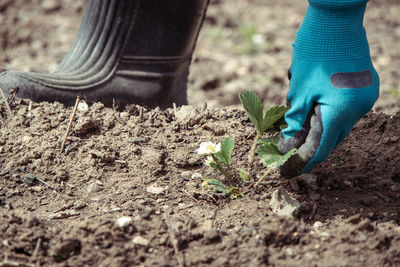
(208, 148)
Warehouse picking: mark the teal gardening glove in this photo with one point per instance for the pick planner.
(332, 82)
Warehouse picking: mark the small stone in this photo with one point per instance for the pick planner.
(283, 204)
(157, 190)
(5, 243)
(349, 183)
(36, 189)
(51, 5)
(395, 188)
(123, 222)
(197, 176)
(94, 187)
(318, 226)
(124, 115)
(141, 241)
(186, 175)
(290, 252)
(26, 139)
(82, 106)
(309, 180)
(30, 179)
(397, 230)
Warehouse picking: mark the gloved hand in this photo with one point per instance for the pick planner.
(332, 82)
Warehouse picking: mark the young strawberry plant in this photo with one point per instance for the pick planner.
(263, 122)
(268, 151)
(219, 155)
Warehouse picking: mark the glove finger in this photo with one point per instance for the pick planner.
(307, 149)
(298, 121)
(333, 134)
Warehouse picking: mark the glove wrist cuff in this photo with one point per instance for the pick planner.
(332, 30)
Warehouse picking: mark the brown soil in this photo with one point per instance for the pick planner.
(112, 158)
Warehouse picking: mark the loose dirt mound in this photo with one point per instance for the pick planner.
(143, 164)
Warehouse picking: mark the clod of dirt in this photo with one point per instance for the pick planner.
(283, 204)
(185, 113)
(140, 241)
(211, 236)
(309, 180)
(66, 249)
(61, 175)
(186, 175)
(85, 126)
(95, 187)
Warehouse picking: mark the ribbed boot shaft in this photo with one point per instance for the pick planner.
(332, 30)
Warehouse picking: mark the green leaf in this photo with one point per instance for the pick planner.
(234, 192)
(219, 186)
(243, 174)
(274, 139)
(226, 151)
(253, 107)
(271, 116)
(271, 157)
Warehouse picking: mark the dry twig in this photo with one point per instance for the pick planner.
(6, 101)
(35, 252)
(174, 107)
(70, 123)
(187, 193)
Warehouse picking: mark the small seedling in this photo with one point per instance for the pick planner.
(219, 158)
(263, 123)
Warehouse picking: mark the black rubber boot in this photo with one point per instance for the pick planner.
(131, 51)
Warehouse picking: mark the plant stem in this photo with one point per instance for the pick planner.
(263, 177)
(227, 175)
(253, 148)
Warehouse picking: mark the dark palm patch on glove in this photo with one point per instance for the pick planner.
(352, 79)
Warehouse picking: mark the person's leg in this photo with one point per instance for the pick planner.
(132, 51)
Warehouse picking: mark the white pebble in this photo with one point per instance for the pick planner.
(123, 221)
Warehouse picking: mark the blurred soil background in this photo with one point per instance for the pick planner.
(244, 45)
